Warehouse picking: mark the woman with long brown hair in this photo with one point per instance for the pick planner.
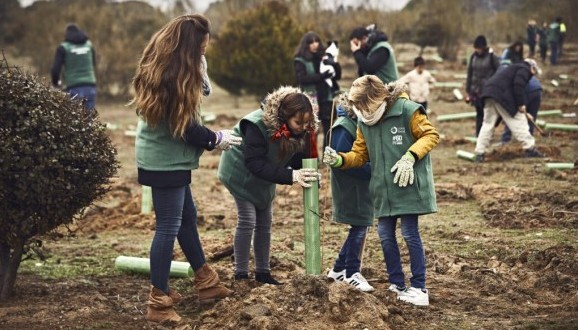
(169, 83)
(275, 140)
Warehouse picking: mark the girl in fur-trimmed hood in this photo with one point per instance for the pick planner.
(275, 140)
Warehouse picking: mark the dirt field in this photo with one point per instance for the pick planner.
(501, 252)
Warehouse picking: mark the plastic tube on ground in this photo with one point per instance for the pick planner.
(142, 266)
(561, 127)
(466, 155)
(559, 166)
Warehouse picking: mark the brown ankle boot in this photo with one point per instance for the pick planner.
(175, 296)
(160, 308)
(209, 286)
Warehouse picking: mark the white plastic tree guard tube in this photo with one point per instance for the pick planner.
(466, 155)
(142, 266)
(559, 166)
(561, 127)
(456, 116)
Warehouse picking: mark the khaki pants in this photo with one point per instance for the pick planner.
(517, 124)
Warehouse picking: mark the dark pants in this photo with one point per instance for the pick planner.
(553, 53)
(479, 105)
(350, 255)
(86, 93)
(325, 109)
(532, 107)
(423, 104)
(560, 45)
(532, 47)
(543, 50)
(176, 217)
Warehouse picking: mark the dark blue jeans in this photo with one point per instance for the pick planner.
(176, 217)
(350, 255)
(86, 93)
(532, 107)
(410, 232)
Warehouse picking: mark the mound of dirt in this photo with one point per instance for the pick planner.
(310, 302)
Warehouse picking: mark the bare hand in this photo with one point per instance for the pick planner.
(355, 45)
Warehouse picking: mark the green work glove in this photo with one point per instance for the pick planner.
(332, 158)
(404, 168)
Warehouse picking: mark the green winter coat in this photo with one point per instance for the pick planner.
(310, 88)
(238, 179)
(388, 72)
(386, 143)
(351, 198)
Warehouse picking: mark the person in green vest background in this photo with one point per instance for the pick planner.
(308, 58)
(562, 36)
(395, 135)
(351, 201)
(170, 81)
(276, 138)
(76, 59)
(373, 54)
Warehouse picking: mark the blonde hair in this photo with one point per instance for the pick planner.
(168, 80)
(368, 93)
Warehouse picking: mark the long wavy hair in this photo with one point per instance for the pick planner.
(168, 80)
(303, 48)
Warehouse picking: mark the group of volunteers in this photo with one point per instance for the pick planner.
(377, 144)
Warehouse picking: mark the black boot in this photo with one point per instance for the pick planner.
(266, 278)
(241, 276)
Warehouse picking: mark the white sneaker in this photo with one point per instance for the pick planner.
(337, 276)
(415, 296)
(396, 289)
(358, 281)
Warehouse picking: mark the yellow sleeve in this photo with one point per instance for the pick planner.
(425, 133)
(358, 155)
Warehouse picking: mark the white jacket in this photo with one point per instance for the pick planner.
(418, 84)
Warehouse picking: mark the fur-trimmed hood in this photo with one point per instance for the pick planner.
(271, 105)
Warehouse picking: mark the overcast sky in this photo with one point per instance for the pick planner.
(203, 5)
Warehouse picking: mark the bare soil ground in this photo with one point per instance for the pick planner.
(501, 252)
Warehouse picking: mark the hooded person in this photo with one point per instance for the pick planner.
(396, 136)
(76, 58)
(482, 65)
(373, 53)
(275, 140)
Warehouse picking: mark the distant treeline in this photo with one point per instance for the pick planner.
(120, 31)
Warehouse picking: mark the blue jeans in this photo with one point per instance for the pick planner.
(532, 107)
(350, 255)
(409, 230)
(86, 93)
(176, 217)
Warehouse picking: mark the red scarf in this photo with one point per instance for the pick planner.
(313, 144)
(283, 132)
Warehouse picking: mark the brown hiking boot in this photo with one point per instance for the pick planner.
(160, 308)
(175, 296)
(209, 286)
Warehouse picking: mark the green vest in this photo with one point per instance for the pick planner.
(78, 64)
(388, 72)
(236, 177)
(386, 142)
(310, 88)
(157, 150)
(351, 198)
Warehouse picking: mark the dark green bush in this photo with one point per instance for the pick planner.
(253, 53)
(55, 160)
